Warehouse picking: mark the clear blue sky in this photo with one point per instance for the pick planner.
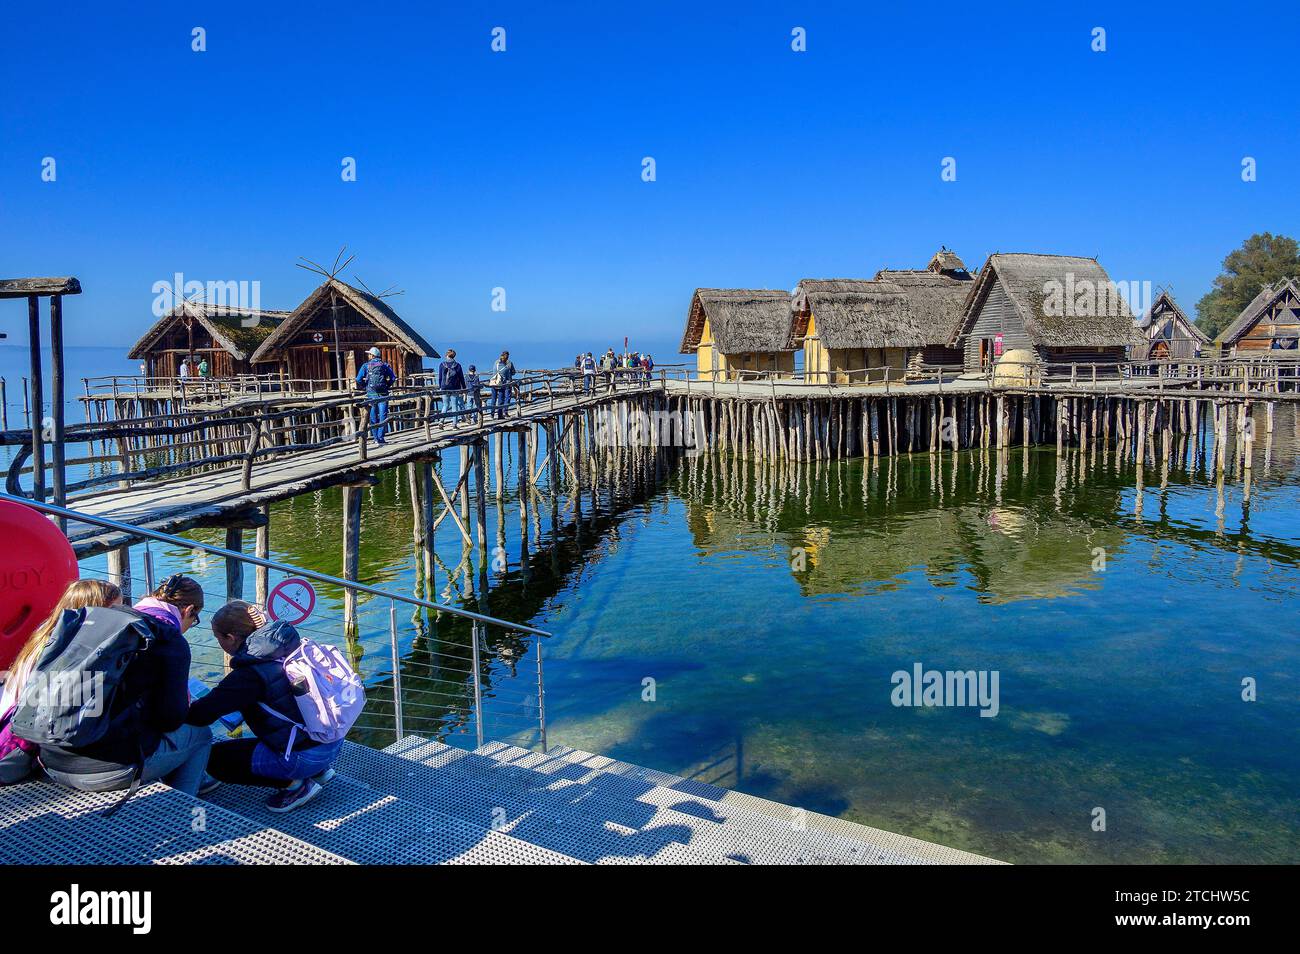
(523, 169)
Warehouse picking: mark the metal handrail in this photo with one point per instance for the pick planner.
(477, 619)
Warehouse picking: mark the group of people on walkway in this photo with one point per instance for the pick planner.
(145, 720)
(610, 365)
(464, 388)
(190, 368)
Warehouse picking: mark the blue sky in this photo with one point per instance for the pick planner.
(522, 169)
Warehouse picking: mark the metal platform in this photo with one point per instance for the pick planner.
(422, 802)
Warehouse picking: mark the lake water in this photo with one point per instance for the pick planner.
(768, 610)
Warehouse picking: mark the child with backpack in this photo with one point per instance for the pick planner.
(130, 729)
(18, 756)
(298, 698)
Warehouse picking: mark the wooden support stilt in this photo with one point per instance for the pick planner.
(480, 497)
(352, 494)
(234, 568)
(119, 571)
(262, 550)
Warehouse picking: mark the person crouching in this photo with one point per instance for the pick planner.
(282, 756)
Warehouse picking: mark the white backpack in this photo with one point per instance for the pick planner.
(335, 695)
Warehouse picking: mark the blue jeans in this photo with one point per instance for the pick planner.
(179, 761)
(301, 763)
(456, 405)
(500, 400)
(378, 416)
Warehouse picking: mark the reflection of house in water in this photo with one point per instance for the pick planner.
(1005, 554)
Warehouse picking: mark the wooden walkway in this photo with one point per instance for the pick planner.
(173, 505)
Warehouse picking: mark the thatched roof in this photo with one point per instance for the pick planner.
(855, 313)
(936, 300)
(1165, 305)
(741, 320)
(1258, 305)
(1064, 301)
(948, 262)
(238, 331)
(371, 307)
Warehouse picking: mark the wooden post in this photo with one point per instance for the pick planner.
(262, 549)
(498, 463)
(234, 568)
(525, 496)
(480, 494)
(36, 407)
(119, 571)
(56, 403)
(464, 486)
(428, 529)
(351, 554)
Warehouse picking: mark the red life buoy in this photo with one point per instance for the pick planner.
(36, 566)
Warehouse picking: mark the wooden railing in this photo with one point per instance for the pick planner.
(242, 435)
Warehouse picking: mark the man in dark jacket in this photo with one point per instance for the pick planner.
(451, 381)
(282, 756)
(377, 376)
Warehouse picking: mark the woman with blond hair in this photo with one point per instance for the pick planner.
(140, 735)
(16, 754)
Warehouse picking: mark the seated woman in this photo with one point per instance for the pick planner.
(16, 755)
(147, 735)
(281, 756)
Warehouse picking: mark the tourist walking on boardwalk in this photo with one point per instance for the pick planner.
(377, 378)
(451, 381)
(607, 361)
(203, 367)
(184, 370)
(588, 373)
(503, 372)
(474, 388)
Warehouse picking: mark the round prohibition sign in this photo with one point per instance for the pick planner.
(291, 601)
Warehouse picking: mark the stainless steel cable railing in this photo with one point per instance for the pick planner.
(463, 680)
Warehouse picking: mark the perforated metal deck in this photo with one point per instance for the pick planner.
(422, 802)
(785, 834)
(41, 823)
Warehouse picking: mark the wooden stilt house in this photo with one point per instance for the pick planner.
(853, 330)
(739, 332)
(1062, 309)
(1271, 322)
(1169, 333)
(327, 336)
(226, 336)
(936, 296)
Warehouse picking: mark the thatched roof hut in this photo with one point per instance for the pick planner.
(936, 300)
(854, 313)
(1270, 322)
(227, 335)
(740, 320)
(947, 262)
(302, 344)
(1169, 333)
(1056, 305)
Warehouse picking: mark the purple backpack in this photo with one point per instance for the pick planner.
(16, 755)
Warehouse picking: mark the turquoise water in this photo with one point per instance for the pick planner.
(772, 606)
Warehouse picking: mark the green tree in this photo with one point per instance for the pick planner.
(1262, 258)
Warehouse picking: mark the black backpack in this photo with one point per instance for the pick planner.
(378, 377)
(77, 676)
